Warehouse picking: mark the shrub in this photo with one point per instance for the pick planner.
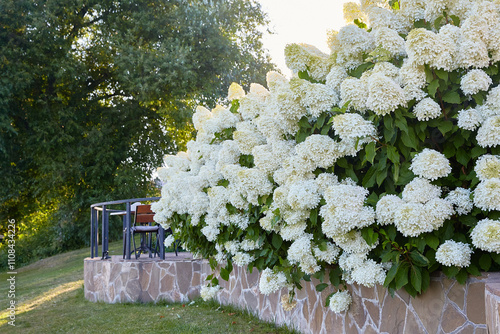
(376, 164)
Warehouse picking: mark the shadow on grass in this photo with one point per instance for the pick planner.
(50, 299)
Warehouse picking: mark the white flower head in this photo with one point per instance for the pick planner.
(350, 125)
(486, 235)
(420, 190)
(242, 259)
(453, 253)
(209, 292)
(411, 219)
(488, 134)
(235, 92)
(288, 302)
(340, 301)
(487, 167)
(487, 194)
(329, 255)
(460, 198)
(469, 119)
(427, 109)
(386, 209)
(271, 282)
(385, 95)
(368, 274)
(169, 241)
(355, 92)
(430, 164)
(475, 81)
(353, 242)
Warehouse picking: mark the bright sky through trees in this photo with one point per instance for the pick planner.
(300, 21)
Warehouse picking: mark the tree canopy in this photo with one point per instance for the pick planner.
(94, 92)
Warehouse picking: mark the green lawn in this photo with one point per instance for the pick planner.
(49, 296)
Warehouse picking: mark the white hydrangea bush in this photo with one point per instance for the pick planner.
(378, 163)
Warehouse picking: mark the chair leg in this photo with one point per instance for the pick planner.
(157, 248)
(150, 243)
(135, 248)
(124, 242)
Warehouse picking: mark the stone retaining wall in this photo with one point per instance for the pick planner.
(447, 307)
(177, 279)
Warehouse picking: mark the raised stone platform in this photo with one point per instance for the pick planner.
(177, 278)
(447, 307)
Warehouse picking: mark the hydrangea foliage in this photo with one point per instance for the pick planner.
(378, 163)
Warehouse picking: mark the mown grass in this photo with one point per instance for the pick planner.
(50, 299)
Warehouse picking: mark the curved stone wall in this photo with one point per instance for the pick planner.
(447, 307)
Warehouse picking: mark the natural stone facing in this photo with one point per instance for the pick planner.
(116, 280)
(447, 307)
(492, 300)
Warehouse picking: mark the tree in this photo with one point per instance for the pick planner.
(94, 93)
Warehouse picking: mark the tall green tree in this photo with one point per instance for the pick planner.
(94, 92)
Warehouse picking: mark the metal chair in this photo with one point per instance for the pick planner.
(143, 225)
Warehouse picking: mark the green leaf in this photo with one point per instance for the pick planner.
(426, 279)
(479, 97)
(304, 75)
(235, 104)
(437, 22)
(335, 276)
(445, 126)
(477, 151)
(224, 274)
(495, 257)
(390, 256)
(393, 154)
(381, 176)
(369, 235)
(432, 87)
(429, 75)
(342, 163)
(391, 274)
(321, 287)
(442, 74)
(432, 241)
(461, 277)
(410, 139)
(451, 272)
(277, 241)
(416, 278)
(357, 72)
(223, 183)
(401, 123)
(301, 136)
(419, 259)
(321, 120)
(370, 151)
(369, 178)
(456, 20)
(304, 123)
(485, 262)
(402, 275)
(325, 129)
(473, 270)
(395, 172)
(360, 24)
(452, 97)
(463, 157)
(313, 217)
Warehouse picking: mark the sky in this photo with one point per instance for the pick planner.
(300, 21)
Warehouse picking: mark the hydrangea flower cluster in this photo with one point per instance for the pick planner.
(380, 156)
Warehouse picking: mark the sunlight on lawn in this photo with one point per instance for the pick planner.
(44, 298)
